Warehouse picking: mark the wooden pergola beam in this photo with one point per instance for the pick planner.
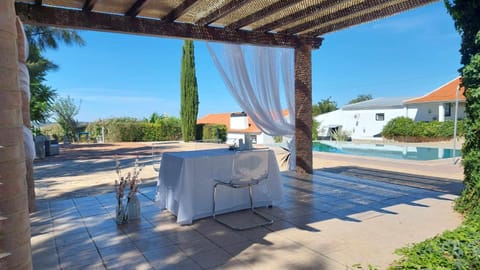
(271, 9)
(222, 11)
(76, 19)
(299, 15)
(88, 5)
(370, 16)
(136, 8)
(179, 11)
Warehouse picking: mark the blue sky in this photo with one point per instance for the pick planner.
(118, 75)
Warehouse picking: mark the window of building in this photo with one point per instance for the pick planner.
(380, 116)
(448, 109)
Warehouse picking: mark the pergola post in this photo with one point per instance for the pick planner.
(15, 250)
(303, 109)
(24, 86)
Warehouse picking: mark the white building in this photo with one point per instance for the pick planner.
(365, 120)
(239, 125)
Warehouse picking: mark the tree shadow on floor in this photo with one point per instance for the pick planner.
(444, 185)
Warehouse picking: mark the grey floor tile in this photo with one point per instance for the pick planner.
(211, 258)
(165, 256)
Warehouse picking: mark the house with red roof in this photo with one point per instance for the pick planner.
(438, 104)
(365, 120)
(239, 125)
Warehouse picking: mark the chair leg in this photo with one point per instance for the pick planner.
(214, 196)
(267, 220)
(250, 192)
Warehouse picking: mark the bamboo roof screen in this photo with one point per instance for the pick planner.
(262, 22)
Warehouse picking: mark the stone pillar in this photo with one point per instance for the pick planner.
(441, 112)
(303, 109)
(15, 251)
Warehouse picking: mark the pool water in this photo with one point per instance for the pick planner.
(385, 151)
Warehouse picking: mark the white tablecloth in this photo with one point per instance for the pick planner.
(185, 184)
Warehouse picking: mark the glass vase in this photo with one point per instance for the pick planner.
(121, 213)
(133, 207)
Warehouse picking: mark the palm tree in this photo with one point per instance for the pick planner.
(39, 39)
(44, 37)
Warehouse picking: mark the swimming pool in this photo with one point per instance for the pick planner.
(385, 151)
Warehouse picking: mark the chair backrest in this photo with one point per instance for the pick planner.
(156, 156)
(250, 166)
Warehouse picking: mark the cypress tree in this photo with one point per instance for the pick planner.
(188, 92)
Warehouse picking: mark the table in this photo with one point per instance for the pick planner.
(185, 184)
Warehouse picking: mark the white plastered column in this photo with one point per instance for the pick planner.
(441, 112)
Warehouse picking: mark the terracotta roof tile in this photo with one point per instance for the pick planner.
(445, 93)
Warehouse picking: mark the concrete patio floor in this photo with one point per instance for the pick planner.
(327, 221)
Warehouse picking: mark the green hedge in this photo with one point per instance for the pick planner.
(406, 127)
(131, 130)
(211, 132)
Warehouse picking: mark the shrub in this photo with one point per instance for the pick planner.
(129, 129)
(207, 132)
(457, 249)
(406, 127)
(400, 126)
(340, 135)
(315, 125)
(130, 132)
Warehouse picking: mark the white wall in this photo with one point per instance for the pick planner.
(360, 124)
(426, 112)
(234, 138)
(238, 122)
(461, 111)
(412, 112)
(261, 138)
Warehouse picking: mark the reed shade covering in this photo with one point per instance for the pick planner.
(260, 22)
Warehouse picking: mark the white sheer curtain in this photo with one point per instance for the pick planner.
(252, 74)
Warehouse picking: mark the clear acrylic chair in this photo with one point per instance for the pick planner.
(156, 156)
(249, 168)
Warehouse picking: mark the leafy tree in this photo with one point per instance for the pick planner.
(360, 98)
(324, 106)
(65, 111)
(465, 13)
(188, 92)
(155, 118)
(40, 38)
